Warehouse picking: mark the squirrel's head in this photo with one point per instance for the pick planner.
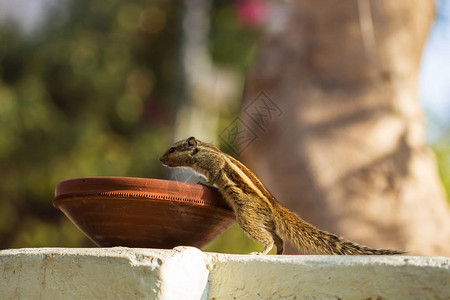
(180, 154)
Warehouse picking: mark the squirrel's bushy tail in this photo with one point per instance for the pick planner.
(312, 240)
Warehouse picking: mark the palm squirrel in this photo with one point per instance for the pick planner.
(257, 212)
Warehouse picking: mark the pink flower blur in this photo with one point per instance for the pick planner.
(252, 13)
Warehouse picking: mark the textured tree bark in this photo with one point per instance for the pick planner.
(348, 151)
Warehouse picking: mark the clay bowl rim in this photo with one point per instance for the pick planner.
(136, 188)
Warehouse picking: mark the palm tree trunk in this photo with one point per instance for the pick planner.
(347, 150)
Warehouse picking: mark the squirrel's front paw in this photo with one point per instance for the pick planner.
(204, 183)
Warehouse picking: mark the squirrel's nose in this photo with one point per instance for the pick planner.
(163, 160)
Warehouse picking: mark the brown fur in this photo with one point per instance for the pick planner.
(257, 211)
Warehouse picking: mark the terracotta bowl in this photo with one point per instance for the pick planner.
(146, 213)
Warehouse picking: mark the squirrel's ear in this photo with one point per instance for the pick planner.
(192, 142)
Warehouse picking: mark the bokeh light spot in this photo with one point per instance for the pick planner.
(152, 20)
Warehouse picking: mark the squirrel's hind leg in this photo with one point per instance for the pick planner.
(256, 231)
(279, 243)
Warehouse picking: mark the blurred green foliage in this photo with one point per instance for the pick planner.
(86, 95)
(90, 93)
(442, 151)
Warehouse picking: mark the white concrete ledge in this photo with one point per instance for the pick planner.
(188, 273)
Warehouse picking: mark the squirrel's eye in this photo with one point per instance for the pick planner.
(171, 150)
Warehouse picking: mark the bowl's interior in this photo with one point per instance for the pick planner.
(138, 212)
